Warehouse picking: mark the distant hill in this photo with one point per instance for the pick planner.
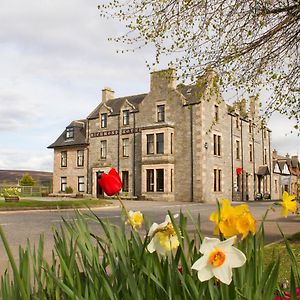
(13, 176)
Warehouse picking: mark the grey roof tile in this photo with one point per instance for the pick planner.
(79, 135)
(117, 103)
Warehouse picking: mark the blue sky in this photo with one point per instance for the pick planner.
(55, 59)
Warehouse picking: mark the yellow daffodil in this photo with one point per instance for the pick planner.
(219, 258)
(232, 221)
(288, 204)
(135, 218)
(164, 238)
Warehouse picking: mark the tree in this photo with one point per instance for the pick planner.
(27, 180)
(252, 44)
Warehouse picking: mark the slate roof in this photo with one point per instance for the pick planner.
(263, 170)
(79, 135)
(192, 93)
(116, 104)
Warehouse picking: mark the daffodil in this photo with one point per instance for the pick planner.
(288, 204)
(219, 258)
(232, 221)
(135, 218)
(163, 237)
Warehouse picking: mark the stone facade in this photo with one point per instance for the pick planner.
(175, 143)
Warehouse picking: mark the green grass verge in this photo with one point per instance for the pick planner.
(279, 249)
(34, 204)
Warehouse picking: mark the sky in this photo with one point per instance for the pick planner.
(55, 58)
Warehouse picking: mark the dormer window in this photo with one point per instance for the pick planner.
(160, 113)
(70, 133)
(103, 120)
(125, 117)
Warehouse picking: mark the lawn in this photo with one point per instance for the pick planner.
(279, 249)
(35, 204)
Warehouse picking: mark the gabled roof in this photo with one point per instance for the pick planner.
(283, 167)
(192, 93)
(79, 135)
(116, 104)
(276, 168)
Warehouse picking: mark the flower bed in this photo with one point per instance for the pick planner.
(139, 260)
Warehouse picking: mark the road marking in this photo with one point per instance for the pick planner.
(5, 224)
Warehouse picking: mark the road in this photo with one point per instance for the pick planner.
(20, 226)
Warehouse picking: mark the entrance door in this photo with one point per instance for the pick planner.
(99, 190)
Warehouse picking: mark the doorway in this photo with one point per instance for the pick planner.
(99, 190)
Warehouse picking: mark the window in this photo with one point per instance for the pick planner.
(125, 147)
(103, 149)
(265, 156)
(217, 180)
(80, 158)
(63, 159)
(160, 113)
(250, 152)
(160, 143)
(250, 127)
(80, 183)
(238, 182)
(150, 180)
(125, 117)
(237, 122)
(172, 176)
(150, 143)
(63, 184)
(276, 186)
(160, 180)
(217, 145)
(216, 113)
(70, 133)
(237, 149)
(103, 120)
(171, 143)
(125, 177)
(265, 133)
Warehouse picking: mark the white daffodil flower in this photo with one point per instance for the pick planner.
(218, 259)
(164, 237)
(135, 218)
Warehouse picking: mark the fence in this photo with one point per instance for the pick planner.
(29, 190)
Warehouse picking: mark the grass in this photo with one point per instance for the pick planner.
(35, 204)
(279, 249)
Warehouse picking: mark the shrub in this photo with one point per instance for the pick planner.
(8, 192)
(69, 190)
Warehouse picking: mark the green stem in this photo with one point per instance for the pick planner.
(125, 209)
(13, 265)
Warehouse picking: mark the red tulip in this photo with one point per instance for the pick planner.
(110, 183)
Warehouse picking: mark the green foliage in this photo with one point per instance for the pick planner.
(69, 190)
(27, 180)
(252, 44)
(7, 192)
(113, 263)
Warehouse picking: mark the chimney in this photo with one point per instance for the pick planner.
(287, 155)
(275, 153)
(254, 105)
(164, 79)
(243, 107)
(107, 94)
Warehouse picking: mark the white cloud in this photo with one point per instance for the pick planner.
(55, 59)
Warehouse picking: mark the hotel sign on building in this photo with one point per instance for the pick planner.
(175, 142)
